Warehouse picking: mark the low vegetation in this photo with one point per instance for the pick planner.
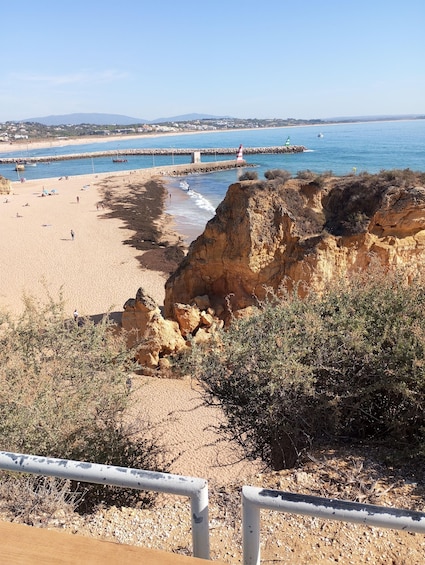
(280, 174)
(249, 175)
(353, 201)
(64, 392)
(346, 366)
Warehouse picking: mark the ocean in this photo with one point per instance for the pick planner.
(340, 148)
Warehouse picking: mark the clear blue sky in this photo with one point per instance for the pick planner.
(241, 58)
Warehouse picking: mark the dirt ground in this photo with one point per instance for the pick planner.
(349, 473)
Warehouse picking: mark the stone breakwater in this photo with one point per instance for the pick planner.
(199, 168)
(164, 151)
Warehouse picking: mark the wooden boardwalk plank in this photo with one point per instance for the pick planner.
(25, 545)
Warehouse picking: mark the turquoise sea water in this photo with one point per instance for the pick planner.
(370, 146)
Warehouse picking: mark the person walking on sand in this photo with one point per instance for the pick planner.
(78, 199)
(75, 315)
(72, 235)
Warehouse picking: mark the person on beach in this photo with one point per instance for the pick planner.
(78, 199)
(72, 235)
(75, 315)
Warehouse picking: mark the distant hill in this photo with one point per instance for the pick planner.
(76, 119)
(188, 118)
(110, 119)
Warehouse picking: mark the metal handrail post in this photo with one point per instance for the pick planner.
(194, 488)
(254, 498)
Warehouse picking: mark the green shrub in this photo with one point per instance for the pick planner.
(64, 393)
(345, 365)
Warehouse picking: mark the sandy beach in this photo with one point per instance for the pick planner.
(96, 271)
(22, 145)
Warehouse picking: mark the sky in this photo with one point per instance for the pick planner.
(147, 59)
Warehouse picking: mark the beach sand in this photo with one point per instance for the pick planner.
(23, 145)
(96, 271)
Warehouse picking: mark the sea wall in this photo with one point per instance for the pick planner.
(200, 168)
(165, 151)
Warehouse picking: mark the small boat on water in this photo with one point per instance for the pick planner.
(320, 135)
(118, 159)
(184, 185)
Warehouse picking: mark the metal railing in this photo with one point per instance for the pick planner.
(254, 499)
(195, 489)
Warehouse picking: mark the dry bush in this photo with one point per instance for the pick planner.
(37, 501)
(248, 175)
(64, 394)
(344, 366)
(278, 174)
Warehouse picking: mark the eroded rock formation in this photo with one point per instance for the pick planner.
(155, 337)
(304, 230)
(268, 234)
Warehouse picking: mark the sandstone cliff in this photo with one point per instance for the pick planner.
(300, 231)
(305, 230)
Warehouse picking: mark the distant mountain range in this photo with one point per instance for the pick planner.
(109, 119)
(120, 120)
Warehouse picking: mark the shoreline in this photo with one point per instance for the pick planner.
(19, 145)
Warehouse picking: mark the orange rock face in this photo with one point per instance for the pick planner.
(304, 231)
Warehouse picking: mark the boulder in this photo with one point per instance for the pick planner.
(188, 318)
(151, 335)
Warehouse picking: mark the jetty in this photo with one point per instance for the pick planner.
(199, 168)
(216, 151)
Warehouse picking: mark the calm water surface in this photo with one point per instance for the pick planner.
(370, 146)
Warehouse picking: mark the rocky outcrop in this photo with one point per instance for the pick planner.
(5, 186)
(304, 231)
(154, 337)
(293, 233)
(148, 331)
